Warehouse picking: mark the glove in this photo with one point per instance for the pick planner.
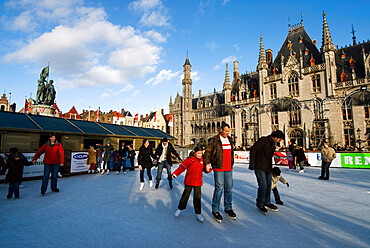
(287, 184)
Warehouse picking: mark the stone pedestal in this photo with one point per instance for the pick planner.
(42, 109)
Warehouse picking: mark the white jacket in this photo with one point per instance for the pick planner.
(275, 179)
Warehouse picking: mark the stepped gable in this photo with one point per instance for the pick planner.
(296, 41)
(344, 55)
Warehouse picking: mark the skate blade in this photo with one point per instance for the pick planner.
(233, 218)
(219, 221)
(273, 210)
(264, 213)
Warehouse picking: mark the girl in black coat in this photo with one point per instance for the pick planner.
(145, 162)
(15, 164)
(299, 158)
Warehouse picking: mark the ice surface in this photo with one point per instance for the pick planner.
(110, 211)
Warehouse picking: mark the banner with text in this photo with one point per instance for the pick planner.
(79, 162)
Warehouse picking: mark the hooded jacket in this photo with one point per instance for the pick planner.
(54, 154)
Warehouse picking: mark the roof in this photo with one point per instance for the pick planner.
(296, 41)
(219, 95)
(354, 52)
(38, 123)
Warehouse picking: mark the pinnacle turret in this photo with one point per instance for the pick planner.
(227, 78)
(327, 44)
(262, 59)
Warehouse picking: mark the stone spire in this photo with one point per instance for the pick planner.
(327, 44)
(170, 100)
(227, 79)
(261, 59)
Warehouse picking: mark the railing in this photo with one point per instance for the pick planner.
(273, 78)
(315, 68)
(351, 83)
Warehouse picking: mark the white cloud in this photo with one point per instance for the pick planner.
(91, 51)
(236, 46)
(212, 46)
(216, 67)
(153, 12)
(229, 59)
(23, 22)
(225, 2)
(163, 75)
(104, 95)
(155, 36)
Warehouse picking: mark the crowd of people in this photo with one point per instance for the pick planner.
(218, 157)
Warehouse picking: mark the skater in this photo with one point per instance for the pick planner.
(290, 150)
(220, 154)
(145, 162)
(327, 156)
(15, 164)
(116, 161)
(108, 148)
(261, 161)
(276, 176)
(163, 154)
(300, 158)
(122, 158)
(99, 159)
(54, 157)
(91, 160)
(131, 156)
(193, 180)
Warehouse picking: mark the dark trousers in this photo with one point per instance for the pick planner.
(53, 169)
(325, 169)
(148, 172)
(132, 163)
(14, 188)
(122, 162)
(161, 165)
(276, 194)
(197, 197)
(264, 187)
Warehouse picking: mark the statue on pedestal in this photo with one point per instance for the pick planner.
(45, 90)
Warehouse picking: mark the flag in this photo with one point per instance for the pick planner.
(136, 124)
(117, 116)
(97, 114)
(155, 120)
(25, 106)
(45, 72)
(170, 121)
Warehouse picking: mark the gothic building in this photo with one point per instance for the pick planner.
(309, 93)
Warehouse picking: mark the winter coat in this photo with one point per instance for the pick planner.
(194, 173)
(328, 154)
(145, 157)
(92, 156)
(107, 152)
(214, 152)
(299, 154)
(275, 179)
(262, 152)
(54, 154)
(122, 152)
(170, 150)
(15, 168)
(131, 154)
(116, 156)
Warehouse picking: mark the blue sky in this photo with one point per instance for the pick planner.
(129, 54)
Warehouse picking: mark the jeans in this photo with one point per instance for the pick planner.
(223, 181)
(14, 188)
(148, 172)
(196, 198)
(264, 187)
(122, 162)
(276, 194)
(161, 165)
(98, 162)
(53, 168)
(325, 169)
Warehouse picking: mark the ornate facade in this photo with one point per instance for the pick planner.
(310, 94)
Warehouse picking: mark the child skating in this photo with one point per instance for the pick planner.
(193, 180)
(276, 176)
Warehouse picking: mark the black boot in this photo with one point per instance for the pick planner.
(170, 183)
(157, 184)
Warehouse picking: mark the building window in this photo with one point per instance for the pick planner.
(347, 114)
(244, 118)
(367, 136)
(294, 117)
(316, 85)
(232, 120)
(366, 109)
(274, 118)
(273, 91)
(349, 137)
(293, 84)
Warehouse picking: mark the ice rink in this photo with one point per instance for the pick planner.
(110, 211)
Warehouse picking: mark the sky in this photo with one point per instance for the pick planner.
(116, 54)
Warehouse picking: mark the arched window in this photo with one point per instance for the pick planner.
(243, 118)
(293, 84)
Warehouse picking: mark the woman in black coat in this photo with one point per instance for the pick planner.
(145, 162)
(300, 157)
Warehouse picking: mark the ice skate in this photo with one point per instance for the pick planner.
(301, 171)
(141, 186)
(231, 214)
(177, 213)
(150, 183)
(200, 218)
(107, 172)
(102, 172)
(89, 171)
(59, 175)
(117, 173)
(271, 207)
(262, 209)
(217, 216)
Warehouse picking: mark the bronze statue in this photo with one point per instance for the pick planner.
(45, 90)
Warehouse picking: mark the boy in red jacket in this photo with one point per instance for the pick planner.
(193, 180)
